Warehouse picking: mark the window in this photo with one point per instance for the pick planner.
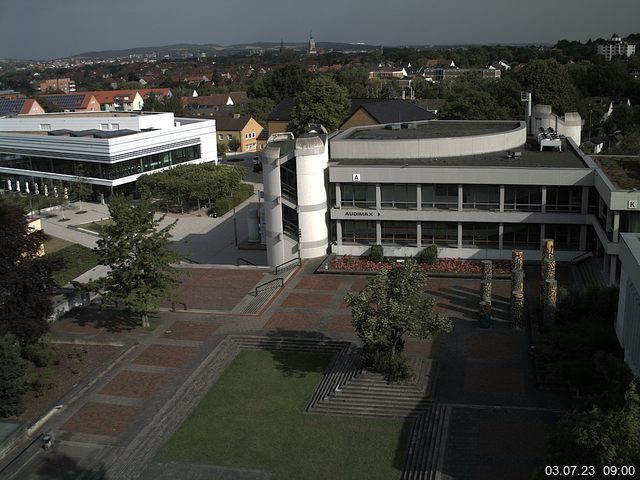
(104, 126)
(443, 197)
(481, 197)
(290, 222)
(45, 126)
(220, 136)
(358, 195)
(358, 232)
(229, 137)
(564, 199)
(399, 196)
(566, 237)
(289, 180)
(522, 198)
(444, 234)
(480, 235)
(399, 233)
(521, 235)
(115, 126)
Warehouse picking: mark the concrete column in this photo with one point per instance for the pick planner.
(583, 238)
(419, 234)
(612, 269)
(544, 200)
(418, 197)
(584, 209)
(615, 230)
(502, 198)
(339, 232)
(378, 196)
(460, 196)
(338, 196)
(609, 221)
(542, 235)
(459, 236)
(378, 233)
(500, 236)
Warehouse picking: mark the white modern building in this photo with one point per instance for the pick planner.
(628, 320)
(111, 149)
(476, 189)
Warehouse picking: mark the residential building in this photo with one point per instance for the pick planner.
(278, 119)
(64, 85)
(375, 111)
(615, 47)
(242, 127)
(446, 74)
(118, 100)
(76, 102)
(19, 106)
(112, 148)
(388, 72)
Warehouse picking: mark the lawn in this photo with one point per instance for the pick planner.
(96, 226)
(253, 418)
(77, 259)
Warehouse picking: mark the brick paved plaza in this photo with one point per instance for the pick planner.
(499, 422)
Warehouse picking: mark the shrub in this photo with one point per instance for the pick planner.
(376, 253)
(40, 354)
(396, 368)
(428, 255)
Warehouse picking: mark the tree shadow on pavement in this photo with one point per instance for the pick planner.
(58, 466)
(110, 319)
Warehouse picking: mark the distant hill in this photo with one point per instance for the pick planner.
(213, 49)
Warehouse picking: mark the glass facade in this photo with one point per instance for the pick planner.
(400, 195)
(355, 232)
(564, 199)
(443, 234)
(522, 198)
(107, 171)
(358, 195)
(481, 197)
(480, 235)
(399, 233)
(442, 197)
(290, 222)
(566, 237)
(289, 180)
(521, 235)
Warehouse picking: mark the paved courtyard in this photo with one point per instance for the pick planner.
(499, 422)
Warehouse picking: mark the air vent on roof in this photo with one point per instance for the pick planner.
(410, 126)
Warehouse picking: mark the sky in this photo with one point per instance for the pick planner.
(44, 29)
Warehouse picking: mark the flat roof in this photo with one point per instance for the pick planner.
(623, 171)
(530, 157)
(430, 129)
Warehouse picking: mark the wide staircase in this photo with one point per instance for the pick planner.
(588, 274)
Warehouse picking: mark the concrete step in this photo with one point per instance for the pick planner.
(426, 445)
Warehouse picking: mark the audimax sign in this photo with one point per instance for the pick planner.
(358, 213)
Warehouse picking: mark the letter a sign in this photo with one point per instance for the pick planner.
(355, 177)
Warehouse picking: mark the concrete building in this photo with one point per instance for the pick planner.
(615, 47)
(476, 189)
(628, 319)
(113, 149)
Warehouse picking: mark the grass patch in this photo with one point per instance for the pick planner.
(77, 260)
(96, 226)
(53, 244)
(253, 418)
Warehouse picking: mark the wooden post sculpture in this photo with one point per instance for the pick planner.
(517, 308)
(550, 297)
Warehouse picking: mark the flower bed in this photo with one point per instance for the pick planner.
(443, 265)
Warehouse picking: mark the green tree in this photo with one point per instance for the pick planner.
(81, 186)
(600, 438)
(287, 81)
(26, 281)
(258, 108)
(12, 371)
(222, 148)
(550, 84)
(355, 80)
(392, 305)
(233, 144)
(137, 252)
(324, 102)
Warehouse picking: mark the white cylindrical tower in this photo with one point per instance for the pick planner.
(312, 158)
(273, 205)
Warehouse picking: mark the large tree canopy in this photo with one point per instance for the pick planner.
(323, 102)
(550, 84)
(392, 305)
(137, 251)
(25, 278)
